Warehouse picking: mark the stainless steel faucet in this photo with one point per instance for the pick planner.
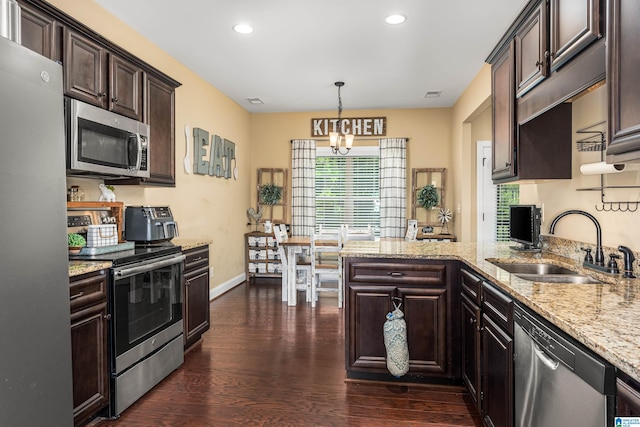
(599, 259)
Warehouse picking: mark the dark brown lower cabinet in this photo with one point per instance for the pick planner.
(497, 403)
(471, 348)
(196, 294)
(89, 350)
(423, 288)
(497, 375)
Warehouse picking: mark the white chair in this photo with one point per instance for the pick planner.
(326, 265)
(302, 265)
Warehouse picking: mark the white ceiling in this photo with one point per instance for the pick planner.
(301, 47)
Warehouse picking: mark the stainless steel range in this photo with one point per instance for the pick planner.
(145, 303)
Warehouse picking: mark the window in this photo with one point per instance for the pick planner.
(506, 195)
(348, 188)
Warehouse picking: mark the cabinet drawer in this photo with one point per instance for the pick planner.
(87, 289)
(471, 286)
(497, 306)
(396, 272)
(196, 258)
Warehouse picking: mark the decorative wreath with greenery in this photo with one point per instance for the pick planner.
(270, 194)
(428, 196)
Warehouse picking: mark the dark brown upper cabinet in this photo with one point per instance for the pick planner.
(96, 76)
(574, 25)
(503, 120)
(85, 69)
(38, 32)
(531, 50)
(623, 63)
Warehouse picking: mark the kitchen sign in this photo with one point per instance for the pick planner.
(357, 126)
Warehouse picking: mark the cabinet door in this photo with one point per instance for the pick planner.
(574, 25)
(471, 348)
(196, 305)
(531, 47)
(503, 102)
(125, 88)
(89, 362)
(367, 307)
(623, 63)
(425, 311)
(37, 30)
(85, 69)
(159, 113)
(497, 375)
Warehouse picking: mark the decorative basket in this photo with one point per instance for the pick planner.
(102, 235)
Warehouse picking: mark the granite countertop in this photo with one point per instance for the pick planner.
(604, 317)
(189, 243)
(77, 268)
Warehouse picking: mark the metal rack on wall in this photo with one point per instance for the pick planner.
(597, 141)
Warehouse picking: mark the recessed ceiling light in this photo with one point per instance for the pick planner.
(395, 19)
(255, 101)
(433, 94)
(243, 29)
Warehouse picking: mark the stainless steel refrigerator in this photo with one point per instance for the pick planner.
(35, 337)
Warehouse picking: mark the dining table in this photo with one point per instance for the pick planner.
(294, 245)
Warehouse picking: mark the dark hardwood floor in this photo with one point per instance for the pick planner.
(263, 363)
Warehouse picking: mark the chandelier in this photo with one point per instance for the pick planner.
(339, 140)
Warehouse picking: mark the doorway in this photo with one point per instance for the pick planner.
(486, 194)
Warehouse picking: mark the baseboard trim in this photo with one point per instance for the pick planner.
(226, 286)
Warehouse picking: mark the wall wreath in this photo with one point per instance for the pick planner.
(270, 194)
(428, 196)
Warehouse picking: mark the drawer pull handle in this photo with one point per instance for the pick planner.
(196, 259)
(76, 296)
(395, 274)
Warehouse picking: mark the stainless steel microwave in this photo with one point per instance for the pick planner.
(102, 143)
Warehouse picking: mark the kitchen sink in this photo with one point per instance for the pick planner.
(577, 279)
(531, 268)
(545, 272)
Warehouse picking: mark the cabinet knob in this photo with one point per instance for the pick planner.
(102, 94)
(472, 321)
(538, 64)
(507, 164)
(115, 100)
(107, 316)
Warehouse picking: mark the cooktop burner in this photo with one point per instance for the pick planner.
(138, 254)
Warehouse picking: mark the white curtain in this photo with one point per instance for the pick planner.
(303, 183)
(393, 187)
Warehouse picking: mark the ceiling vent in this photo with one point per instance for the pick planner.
(255, 101)
(433, 94)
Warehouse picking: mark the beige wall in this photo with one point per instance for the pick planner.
(204, 206)
(618, 228)
(428, 130)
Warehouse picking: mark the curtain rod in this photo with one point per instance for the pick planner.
(355, 140)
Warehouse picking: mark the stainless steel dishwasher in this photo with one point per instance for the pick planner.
(557, 381)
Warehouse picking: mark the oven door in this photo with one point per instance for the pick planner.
(146, 308)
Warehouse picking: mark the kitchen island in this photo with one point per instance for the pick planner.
(603, 317)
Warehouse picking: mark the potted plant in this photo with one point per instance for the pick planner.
(270, 194)
(75, 242)
(428, 196)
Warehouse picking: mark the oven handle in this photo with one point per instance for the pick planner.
(121, 273)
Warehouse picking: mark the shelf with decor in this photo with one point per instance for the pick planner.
(428, 188)
(261, 255)
(272, 194)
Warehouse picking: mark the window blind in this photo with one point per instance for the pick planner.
(348, 191)
(506, 195)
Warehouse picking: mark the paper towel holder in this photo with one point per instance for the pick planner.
(597, 141)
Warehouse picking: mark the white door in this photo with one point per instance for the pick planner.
(486, 191)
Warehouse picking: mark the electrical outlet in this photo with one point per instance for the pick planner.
(542, 213)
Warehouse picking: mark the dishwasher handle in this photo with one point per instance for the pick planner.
(545, 359)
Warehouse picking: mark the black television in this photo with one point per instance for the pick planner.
(524, 226)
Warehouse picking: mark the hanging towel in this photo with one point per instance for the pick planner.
(395, 341)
